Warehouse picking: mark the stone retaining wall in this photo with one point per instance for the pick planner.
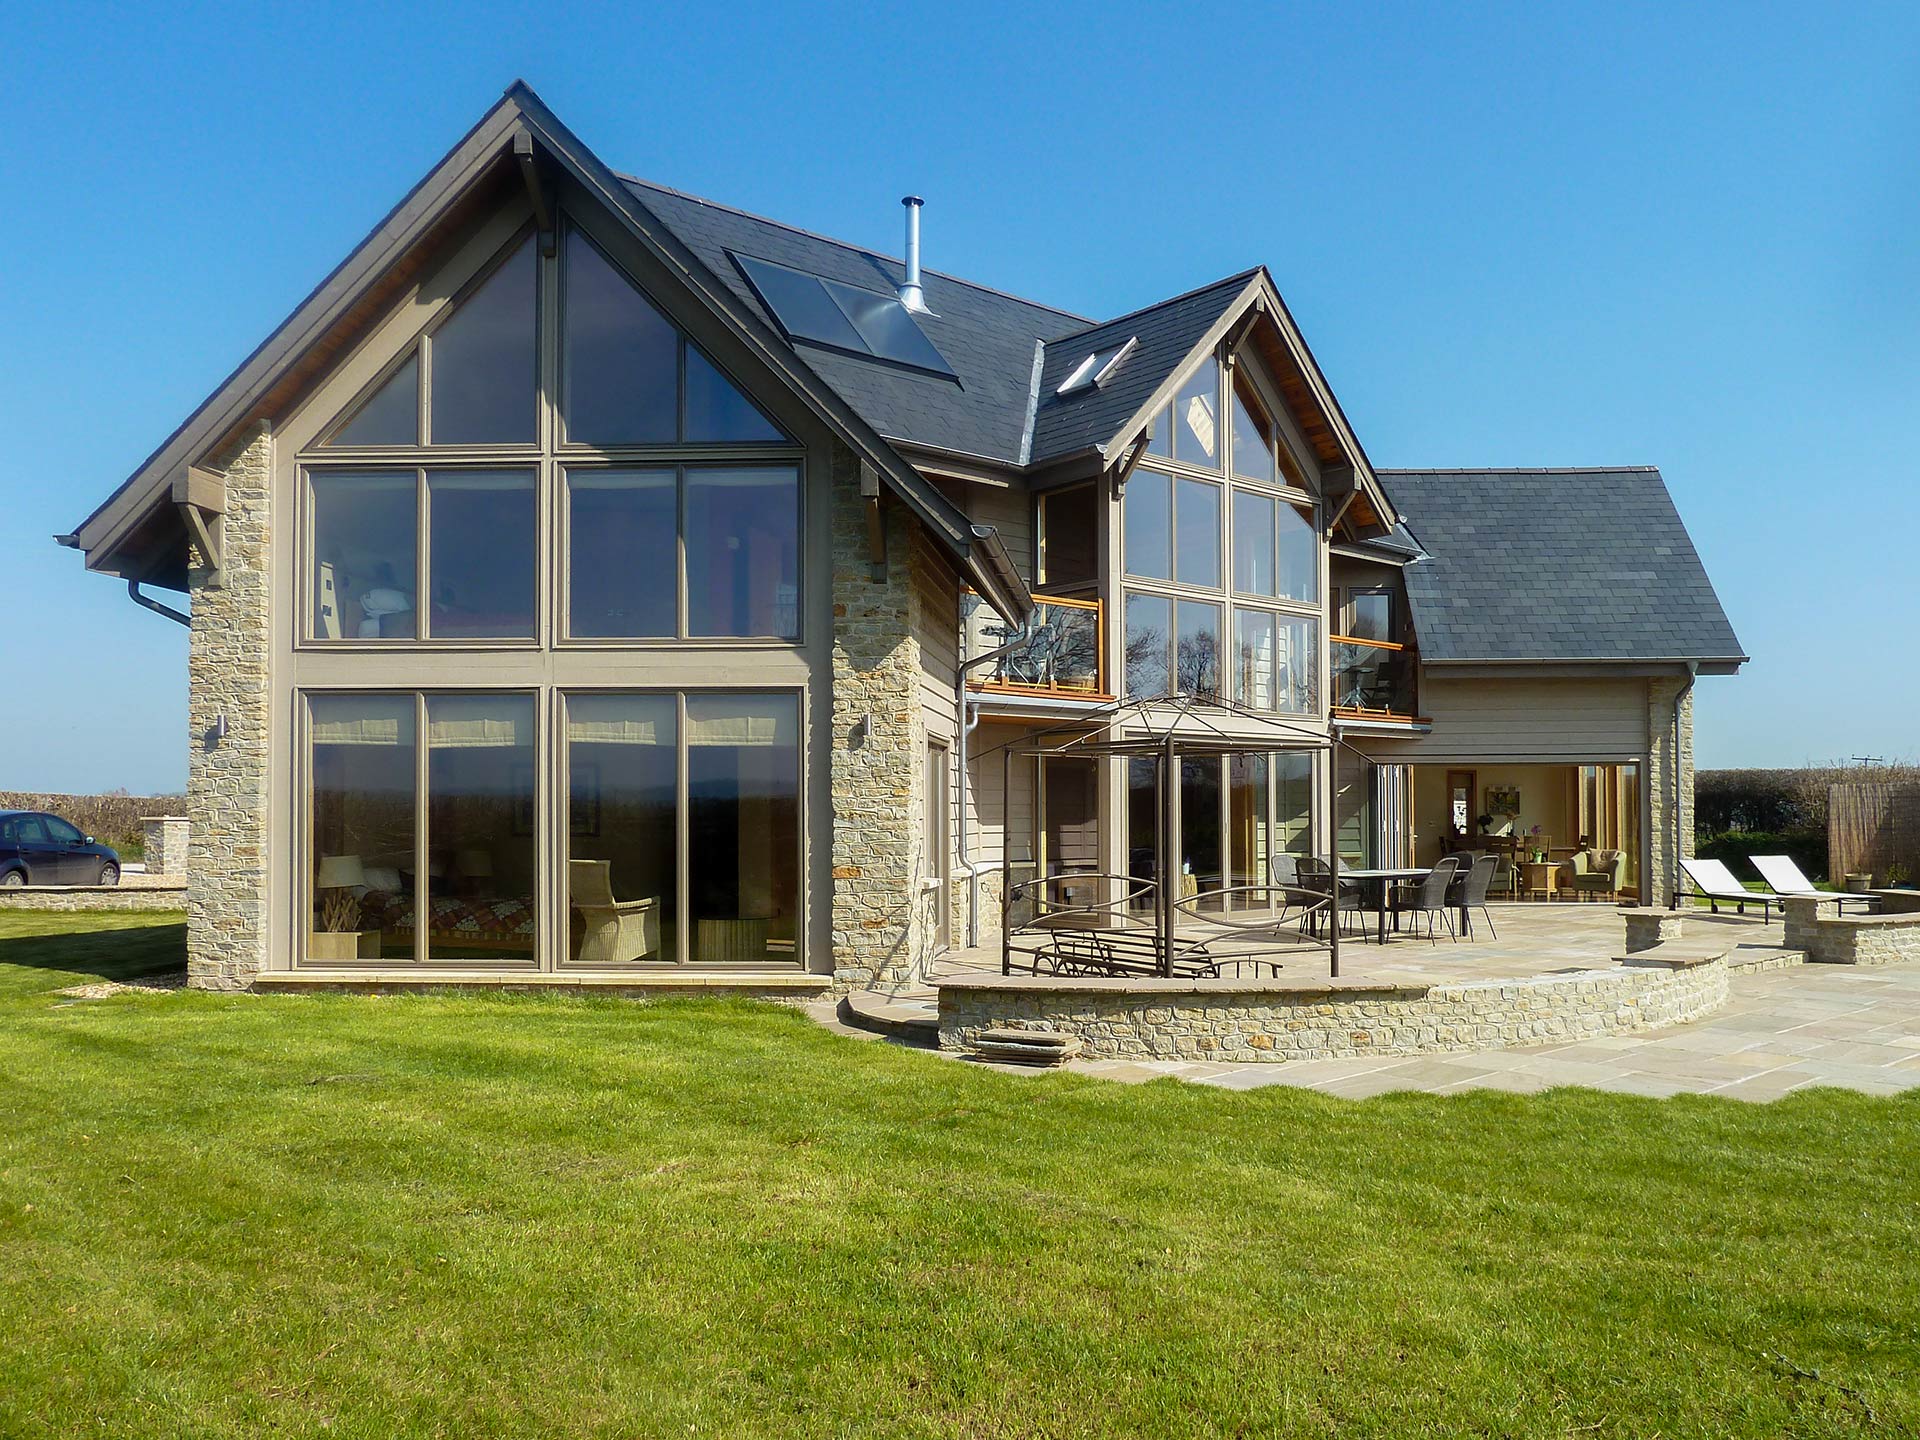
(1830, 939)
(1230, 1020)
(96, 897)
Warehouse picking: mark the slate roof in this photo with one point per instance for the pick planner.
(989, 339)
(1000, 409)
(1167, 332)
(1589, 564)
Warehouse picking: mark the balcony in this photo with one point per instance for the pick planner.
(1373, 680)
(1063, 660)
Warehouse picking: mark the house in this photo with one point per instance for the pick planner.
(617, 581)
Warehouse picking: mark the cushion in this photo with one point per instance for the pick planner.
(383, 877)
(1603, 860)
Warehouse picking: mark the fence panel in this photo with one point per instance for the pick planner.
(1873, 829)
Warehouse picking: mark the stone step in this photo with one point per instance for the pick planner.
(909, 1018)
(1752, 959)
(1026, 1047)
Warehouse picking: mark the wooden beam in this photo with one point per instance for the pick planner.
(876, 523)
(524, 156)
(205, 532)
(205, 490)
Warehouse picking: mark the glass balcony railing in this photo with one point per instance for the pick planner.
(1372, 679)
(1062, 658)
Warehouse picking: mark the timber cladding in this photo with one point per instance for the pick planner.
(1871, 829)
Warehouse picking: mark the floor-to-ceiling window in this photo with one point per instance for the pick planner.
(1221, 555)
(547, 488)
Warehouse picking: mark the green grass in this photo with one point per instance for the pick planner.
(461, 1215)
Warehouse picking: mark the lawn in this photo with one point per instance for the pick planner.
(462, 1215)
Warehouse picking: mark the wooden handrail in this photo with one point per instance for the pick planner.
(1356, 640)
(1071, 604)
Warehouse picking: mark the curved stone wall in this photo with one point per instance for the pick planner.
(1235, 1020)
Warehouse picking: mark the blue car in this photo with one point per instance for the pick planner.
(41, 849)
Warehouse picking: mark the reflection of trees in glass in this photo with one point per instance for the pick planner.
(1064, 651)
(1146, 660)
(1197, 664)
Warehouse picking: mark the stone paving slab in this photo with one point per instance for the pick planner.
(1781, 1031)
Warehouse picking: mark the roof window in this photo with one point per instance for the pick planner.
(866, 323)
(1097, 368)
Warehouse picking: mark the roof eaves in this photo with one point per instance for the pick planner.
(979, 556)
(1177, 374)
(226, 407)
(1329, 402)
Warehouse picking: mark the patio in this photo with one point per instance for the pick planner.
(1554, 974)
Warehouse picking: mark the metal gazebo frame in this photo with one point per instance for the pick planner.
(1167, 729)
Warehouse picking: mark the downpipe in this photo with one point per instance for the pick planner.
(968, 710)
(149, 603)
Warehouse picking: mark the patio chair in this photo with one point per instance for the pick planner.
(1715, 884)
(1430, 896)
(1470, 892)
(1315, 879)
(1283, 873)
(1783, 877)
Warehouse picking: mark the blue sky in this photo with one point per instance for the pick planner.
(1513, 235)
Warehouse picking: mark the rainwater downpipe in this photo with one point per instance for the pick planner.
(969, 712)
(1673, 857)
(149, 603)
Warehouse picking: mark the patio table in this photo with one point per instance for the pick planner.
(1381, 879)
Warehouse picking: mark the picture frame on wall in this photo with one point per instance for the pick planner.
(1503, 799)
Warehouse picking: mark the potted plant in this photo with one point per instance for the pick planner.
(1859, 884)
(1485, 822)
(1899, 877)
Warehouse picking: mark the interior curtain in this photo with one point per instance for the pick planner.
(362, 720)
(743, 720)
(621, 720)
(466, 722)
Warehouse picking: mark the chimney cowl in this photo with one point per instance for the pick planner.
(911, 295)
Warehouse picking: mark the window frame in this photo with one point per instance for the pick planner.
(563, 636)
(552, 776)
(305, 852)
(1287, 489)
(550, 456)
(560, 769)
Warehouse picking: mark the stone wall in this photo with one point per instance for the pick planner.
(70, 898)
(880, 929)
(227, 676)
(1227, 1020)
(1668, 751)
(1832, 939)
(164, 843)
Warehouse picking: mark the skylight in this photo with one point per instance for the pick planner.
(818, 311)
(1097, 368)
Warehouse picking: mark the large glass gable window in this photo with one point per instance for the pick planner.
(1223, 579)
(449, 550)
(550, 467)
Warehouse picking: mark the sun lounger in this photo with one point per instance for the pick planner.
(1714, 883)
(1783, 877)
